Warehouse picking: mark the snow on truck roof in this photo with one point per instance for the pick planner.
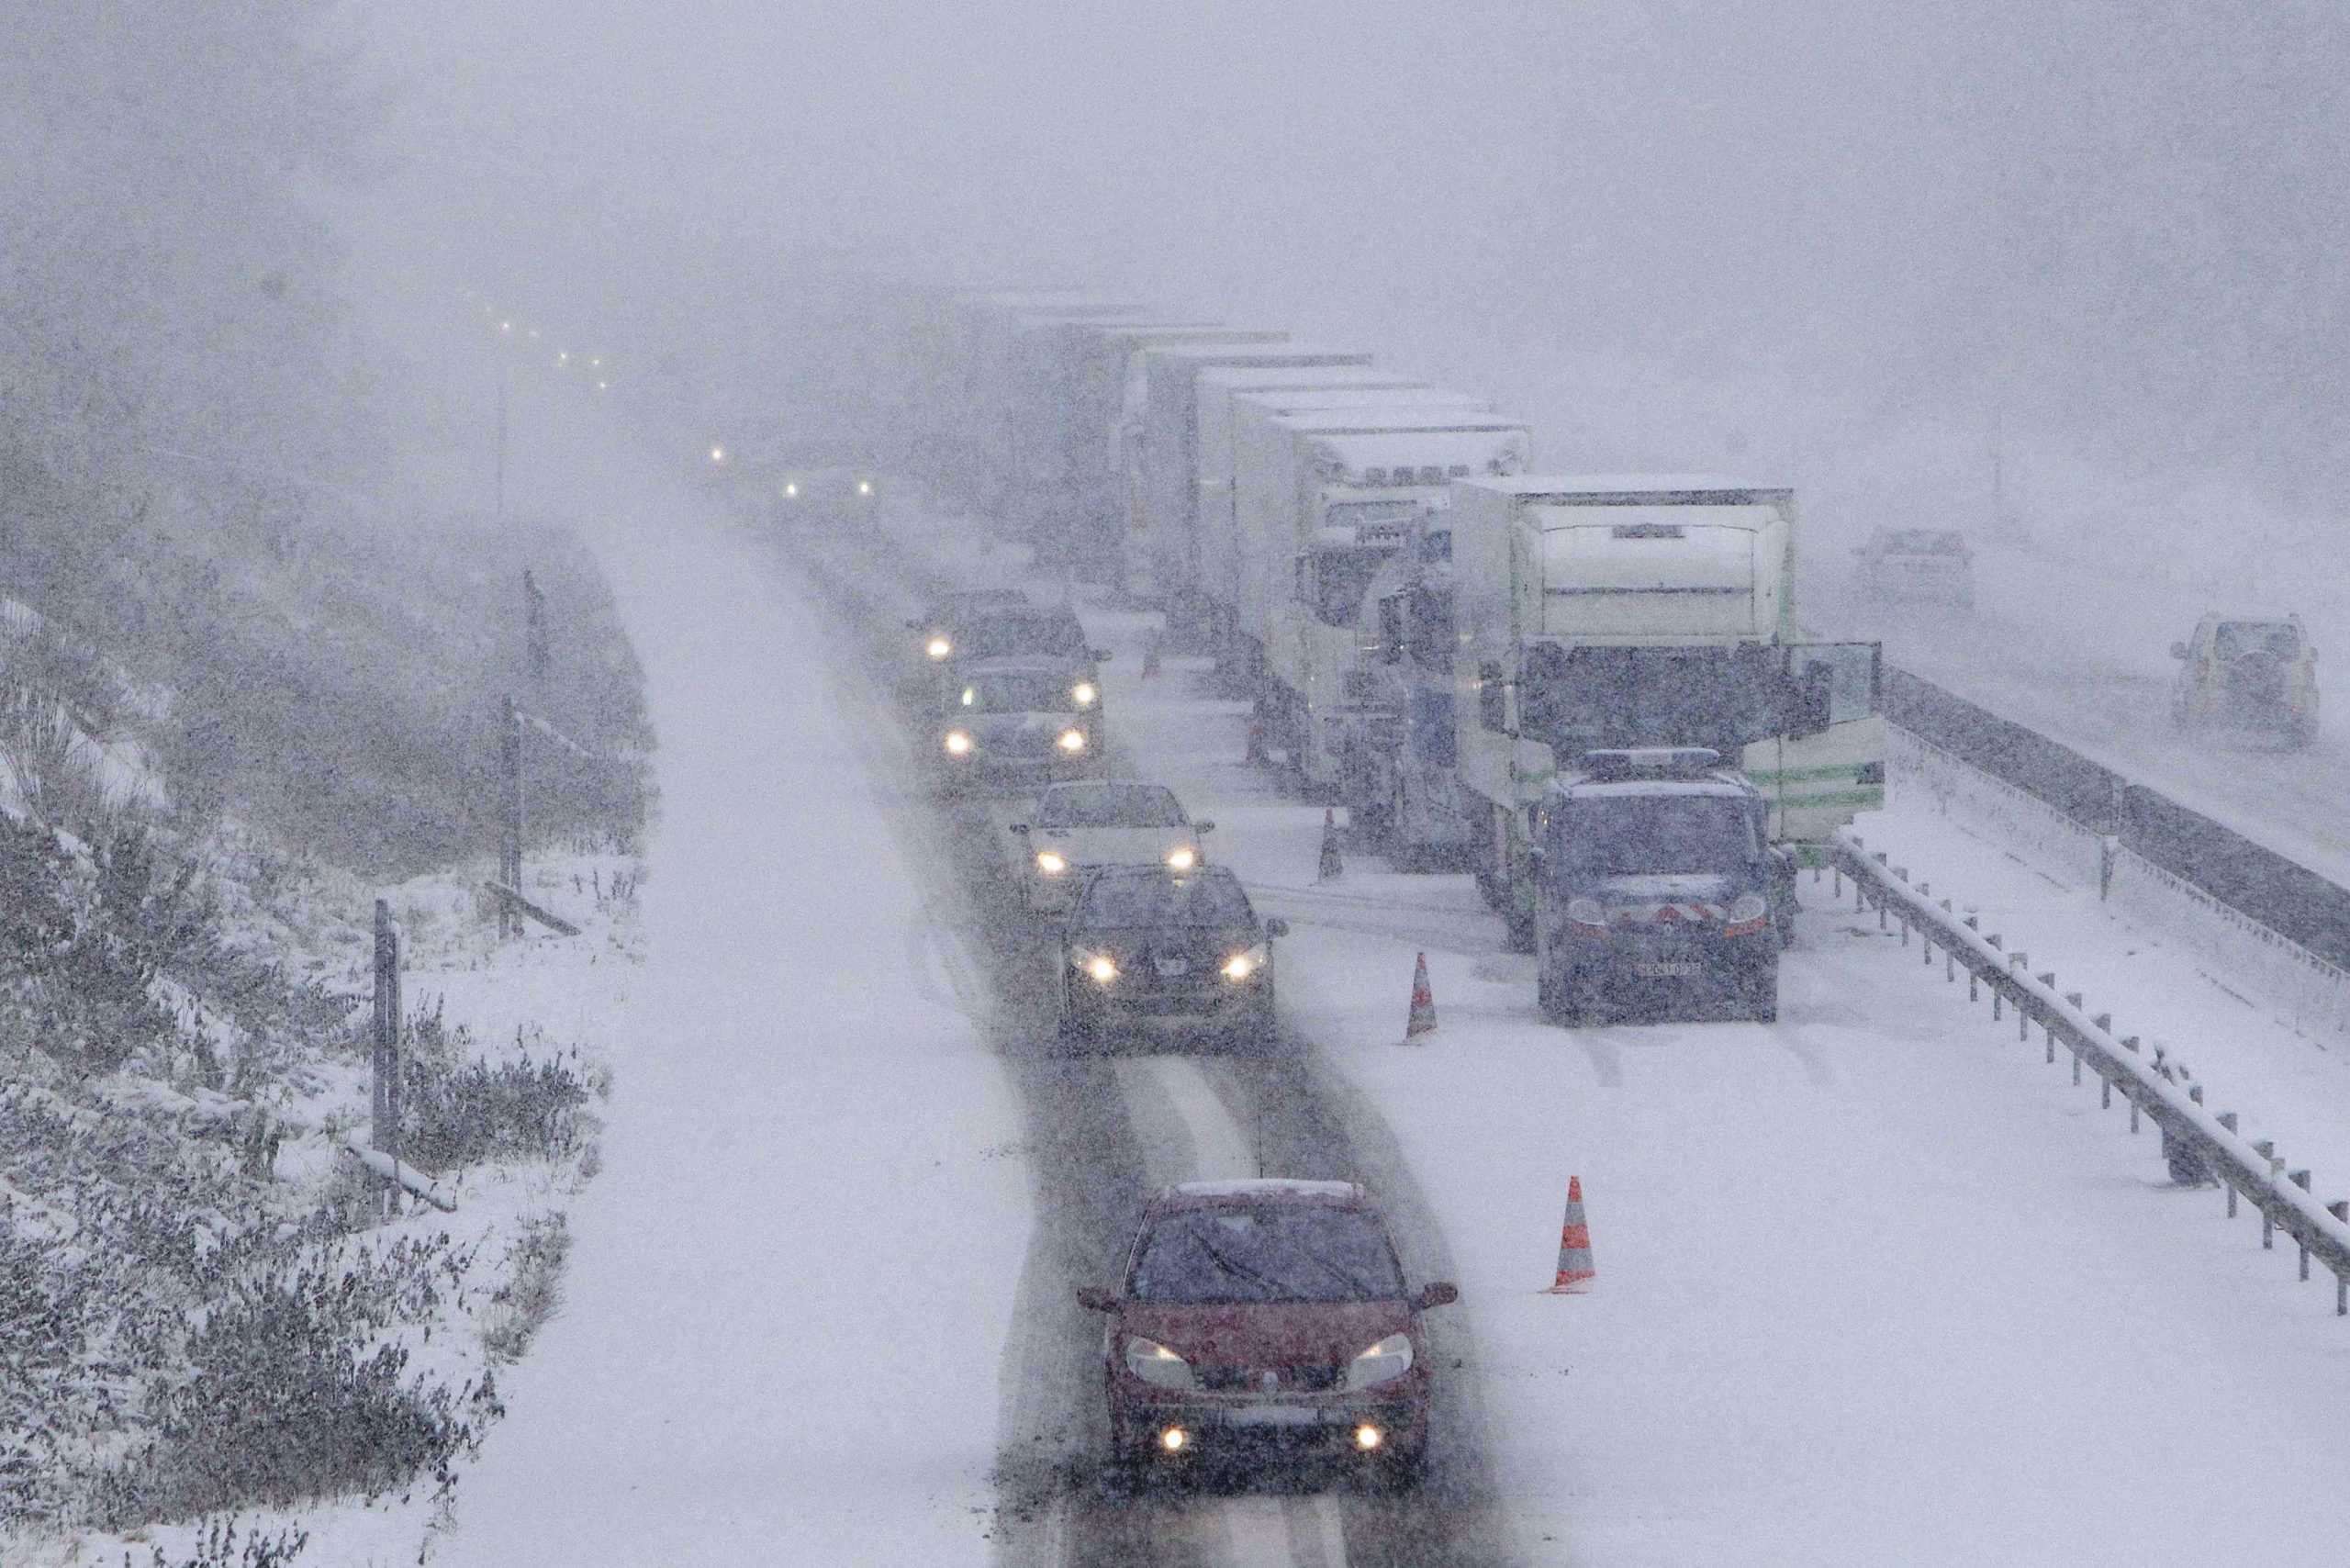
(1266, 1187)
(1475, 448)
(1261, 378)
(1686, 488)
(1256, 353)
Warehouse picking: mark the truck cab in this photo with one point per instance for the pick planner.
(1634, 612)
(1657, 887)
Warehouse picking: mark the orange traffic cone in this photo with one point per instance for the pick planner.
(1330, 867)
(1574, 1246)
(1423, 1018)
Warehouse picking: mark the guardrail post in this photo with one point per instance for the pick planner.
(2267, 1149)
(2108, 846)
(2228, 1120)
(2301, 1178)
(2340, 1209)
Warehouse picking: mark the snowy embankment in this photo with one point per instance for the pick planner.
(457, 1296)
(1874, 1286)
(790, 1289)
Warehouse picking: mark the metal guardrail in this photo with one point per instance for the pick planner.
(2251, 1172)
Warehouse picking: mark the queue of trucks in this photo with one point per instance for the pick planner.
(1455, 644)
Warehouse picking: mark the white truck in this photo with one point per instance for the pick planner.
(1639, 610)
(1320, 500)
(1161, 438)
(1223, 407)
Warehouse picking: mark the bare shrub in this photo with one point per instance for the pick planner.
(532, 1291)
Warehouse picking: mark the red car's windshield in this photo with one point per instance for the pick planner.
(1264, 1254)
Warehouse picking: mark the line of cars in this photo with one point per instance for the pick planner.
(1149, 932)
(1265, 1320)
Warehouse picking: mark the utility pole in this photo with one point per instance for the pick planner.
(510, 843)
(535, 656)
(498, 509)
(386, 1097)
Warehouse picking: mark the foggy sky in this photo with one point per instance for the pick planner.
(2123, 218)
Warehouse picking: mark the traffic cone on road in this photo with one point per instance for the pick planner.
(1256, 752)
(1423, 1018)
(1574, 1246)
(1330, 867)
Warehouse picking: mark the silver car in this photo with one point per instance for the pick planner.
(1080, 827)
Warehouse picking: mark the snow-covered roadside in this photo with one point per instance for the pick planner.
(1875, 1285)
(1869, 1290)
(547, 999)
(792, 1288)
(2288, 1085)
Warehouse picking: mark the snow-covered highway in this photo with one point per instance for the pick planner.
(1873, 1285)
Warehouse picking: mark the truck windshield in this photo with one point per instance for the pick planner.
(1341, 577)
(1653, 836)
(1578, 700)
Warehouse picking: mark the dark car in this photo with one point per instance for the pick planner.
(939, 627)
(826, 482)
(1152, 943)
(1006, 721)
(1263, 1314)
(1658, 883)
(1030, 632)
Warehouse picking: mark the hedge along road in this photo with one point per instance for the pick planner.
(1102, 1132)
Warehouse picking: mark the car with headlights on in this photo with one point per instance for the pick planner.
(938, 629)
(1029, 631)
(1013, 722)
(1080, 827)
(1267, 1316)
(1154, 945)
(1656, 885)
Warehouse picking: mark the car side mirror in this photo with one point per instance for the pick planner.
(1093, 1298)
(2178, 650)
(914, 625)
(1204, 827)
(1100, 656)
(1276, 927)
(1437, 1293)
(1020, 828)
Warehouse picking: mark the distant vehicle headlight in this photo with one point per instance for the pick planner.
(938, 647)
(958, 743)
(1158, 1366)
(1051, 862)
(1182, 858)
(1240, 966)
(1083, 693)
(864, 487)
(1586, 911)
(791, 491)
(1383, 1363)
(1071, 741)
(1098, 967)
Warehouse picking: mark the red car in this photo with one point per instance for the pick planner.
(1267, 1312)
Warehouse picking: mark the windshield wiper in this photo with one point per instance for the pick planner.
(1271, 1287)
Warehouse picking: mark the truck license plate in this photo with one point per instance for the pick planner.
(1172, 967)
(1677, 969)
